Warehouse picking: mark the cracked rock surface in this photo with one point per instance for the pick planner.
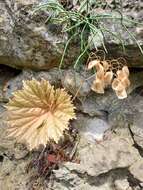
(109, 149)
(27, 41)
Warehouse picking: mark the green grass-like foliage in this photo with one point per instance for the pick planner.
(78, 23)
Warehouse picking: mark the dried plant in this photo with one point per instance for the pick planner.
(38, 113)
(110, 73)
(103, 75)
(121, 82)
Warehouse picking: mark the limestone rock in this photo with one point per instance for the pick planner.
(9, 147)
(103, 157)
(118, 112)
(66, 178)
(92, 129)
(95, 104)
(116, 153)
(53, 76)
(14, 161)
(119, 28)
(136, 170)
(122, 184)
(136, 78)
(103, 166)
(137, 127)
(27, 41)
(137, 135)
(76, 82)
(13, 175)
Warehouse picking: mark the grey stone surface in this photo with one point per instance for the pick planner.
(8, 146)
(12, 173)
(108, 155)
(137, 131)
(93, 129)
(67, 180)
(76, 82)
(136, 170)
(119, 29)
(53, 76)
(27, 41)
(111, 164)
(122, 184)
(102, 166)
(118, 112)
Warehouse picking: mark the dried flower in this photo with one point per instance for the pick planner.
(103, 77)
(105, 65)
(108, 78)
(98, 86)
(38, 113)
(121, 83)
(92, 64)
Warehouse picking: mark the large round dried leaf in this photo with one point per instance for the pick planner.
(38, 113)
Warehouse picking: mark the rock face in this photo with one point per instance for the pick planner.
(106, 156)
(136, 170)
(76, 82)
(110, 146)
(123, 32)
(112, 163)
(28, 42)
(92, 129)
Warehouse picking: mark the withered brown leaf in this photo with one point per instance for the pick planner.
(38, 113)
